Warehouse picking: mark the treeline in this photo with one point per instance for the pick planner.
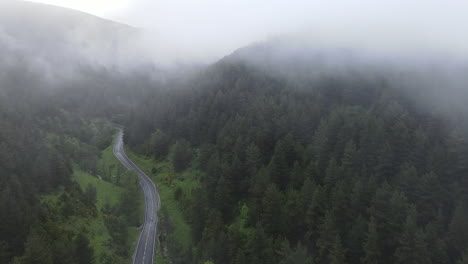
(346, 169)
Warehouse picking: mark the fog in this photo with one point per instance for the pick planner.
(149, 36)
(206, 30)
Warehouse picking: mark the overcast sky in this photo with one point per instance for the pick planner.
(209, 29)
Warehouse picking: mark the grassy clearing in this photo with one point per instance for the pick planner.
(106, 192)
(167, 181)
(108, 165)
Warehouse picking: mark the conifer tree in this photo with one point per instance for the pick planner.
(371, 247)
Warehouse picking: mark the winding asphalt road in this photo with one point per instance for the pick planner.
(144, 252)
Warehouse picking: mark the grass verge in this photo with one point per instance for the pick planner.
(167, 182)
(107, 192)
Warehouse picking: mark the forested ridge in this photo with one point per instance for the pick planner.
(335, 168)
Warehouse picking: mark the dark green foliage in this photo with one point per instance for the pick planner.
(327, 240)
(37, 150)
(181, 155)
(129, 203)
(50, 242)
(272, 210)
(84, 252)
(337, 254)
(332, 162)
(90, 195)
(464, 259)
(458, 229)
(37, 249)
(253, 158)
(158, 144)
(117, 227)
(295, 256)
(412, 245)
(371, 246)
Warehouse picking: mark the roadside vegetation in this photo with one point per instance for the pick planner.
(112, 233)
(175, 189)
(120, 205)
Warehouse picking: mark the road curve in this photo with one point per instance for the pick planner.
(144, 251)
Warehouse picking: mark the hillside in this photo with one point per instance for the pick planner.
(304, 156)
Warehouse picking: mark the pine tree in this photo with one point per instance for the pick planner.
(4, 252)
(181, 155)
(253, 158)
(223, 196)
(37, 249)
(327, 238)
(389, 211)
(338, 253)
(464, 258)
(371, 247)
(158, 144)
(350, 157)
(307, 190)
(272, 213)
(294, 214)
(314, 213)
(333, 174)
(430, 195)
(84, 252)
(297, 256)
(261, 248)
(240, 257)
(458, 228)
(310, 171)
(408, 181)
(385, 163)
(279, 168)
(296, 176)
(412, 248)
(355, 239)
(438, 251)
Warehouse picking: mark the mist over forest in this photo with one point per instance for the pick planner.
(296, 148)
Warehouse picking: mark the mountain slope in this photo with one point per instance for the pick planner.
(300, 160)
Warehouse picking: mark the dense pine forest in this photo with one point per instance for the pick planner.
(333, 168)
